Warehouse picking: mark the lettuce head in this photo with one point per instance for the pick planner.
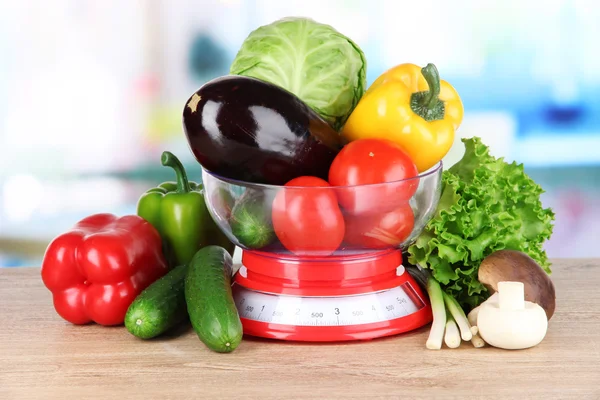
(486, 205)
(321, 66)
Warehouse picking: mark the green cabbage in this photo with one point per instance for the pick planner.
(486, 205)
(322, 67)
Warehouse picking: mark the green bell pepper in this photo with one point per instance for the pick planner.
(178, 211)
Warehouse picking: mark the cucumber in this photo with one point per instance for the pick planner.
(209, 299)
(159, 307)
(251, 220)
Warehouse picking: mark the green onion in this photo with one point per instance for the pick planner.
(436, 297)
(452, 336)
(459, 316)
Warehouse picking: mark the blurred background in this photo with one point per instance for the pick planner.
(91, 93)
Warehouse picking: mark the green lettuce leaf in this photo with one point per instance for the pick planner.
(486, 205)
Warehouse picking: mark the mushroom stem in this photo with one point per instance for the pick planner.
(511, 295)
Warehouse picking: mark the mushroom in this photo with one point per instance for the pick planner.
(510, 322)
(516, 266)
(472, 318)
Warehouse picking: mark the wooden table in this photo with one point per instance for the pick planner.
(41, 356)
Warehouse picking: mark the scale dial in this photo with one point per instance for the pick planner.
(357, 309)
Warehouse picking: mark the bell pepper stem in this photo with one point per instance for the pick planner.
(427, 104)
(168, 159)
(432, 76)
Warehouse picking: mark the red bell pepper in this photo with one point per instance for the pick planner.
(98, 268)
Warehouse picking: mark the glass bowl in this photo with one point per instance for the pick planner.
(322, 221)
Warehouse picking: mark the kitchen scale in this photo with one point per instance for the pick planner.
(356, 293)
(339, 298)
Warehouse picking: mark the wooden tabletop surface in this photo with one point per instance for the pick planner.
(41, 356)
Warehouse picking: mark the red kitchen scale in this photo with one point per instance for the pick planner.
(354, 293)
(349, 297)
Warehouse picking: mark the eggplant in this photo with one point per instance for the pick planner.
(250, 130)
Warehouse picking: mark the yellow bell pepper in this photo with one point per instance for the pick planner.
(411, 106)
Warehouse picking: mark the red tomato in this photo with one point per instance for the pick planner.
(307, 219)
(380, 163)
(380, 230)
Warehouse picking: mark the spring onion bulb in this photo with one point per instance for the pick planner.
(436, 297)
(452, 336)
(459, 316)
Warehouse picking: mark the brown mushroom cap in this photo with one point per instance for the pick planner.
(516, 266)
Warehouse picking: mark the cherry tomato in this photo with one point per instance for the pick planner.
(307, 219)
(380, 230)
(380, 163)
